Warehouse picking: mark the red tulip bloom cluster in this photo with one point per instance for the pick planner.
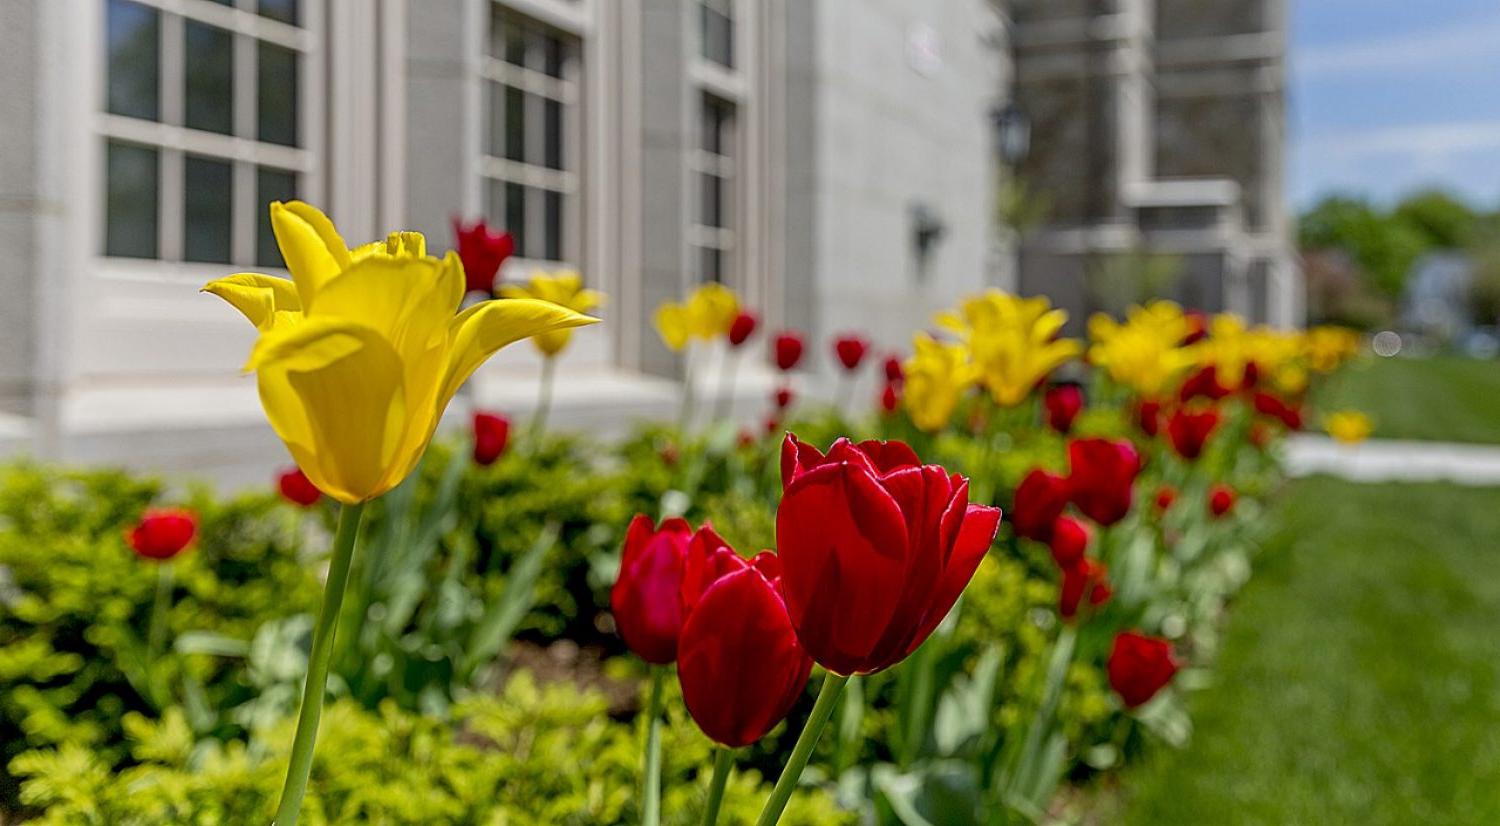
(1101, 479)
(162, 533)
(647, 595)
(786, 349)
(491, 434)
(850, 350)
(1221, 500)
(742, 328)
(1189, 430)
(1139, 666)
(296, 488)
(875, 548)
(1203, 384)
(482, 252)
(1063, 402)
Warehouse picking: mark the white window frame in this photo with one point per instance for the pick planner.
(174, 141)
(711, 79)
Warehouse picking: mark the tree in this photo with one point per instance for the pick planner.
(1385, 248)
(1445, 221)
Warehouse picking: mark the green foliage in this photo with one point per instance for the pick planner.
(1385, 247)
(531, 755)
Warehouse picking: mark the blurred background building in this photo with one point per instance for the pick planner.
(844, 164)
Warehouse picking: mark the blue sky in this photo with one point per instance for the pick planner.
(1390, 95)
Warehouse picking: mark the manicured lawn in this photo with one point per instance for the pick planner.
(1444, 397)
(1360, 678)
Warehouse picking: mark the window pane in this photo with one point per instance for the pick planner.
(710, 264)
(494, 139)
(717, 33)
(515, 216)
(712, 188)
(276, 79)
(494, 203)
(552, 133)
(507, 39)
(208, 186)
(554, 55)
(270, 185)
(210, 78)
(515, 124)
(134, 34)
(283, 10)
(130, 212)
(552, 213)
(717, 127)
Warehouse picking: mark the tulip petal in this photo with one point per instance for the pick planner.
(313, 250)
(489, 325)
(797, 457)
(396, 296)
(975, 534)
(889, 456)
(924, 495)
(843, 548)
(260, 298)
(333, 391)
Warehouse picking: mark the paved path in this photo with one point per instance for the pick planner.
(1383, 460)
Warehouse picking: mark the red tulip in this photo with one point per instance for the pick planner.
(648, 596)
(1088, 579)
(1063, 403)
(1101, 477)
(893, 370)
(772, 424)
(739, 660)
(746, 438)
(1165, 496)
(787, 348)
(1039, 500)
(1220, 500)
(742, 328)
(1189, 431)
(1148, 416)
(875, 548)
(482, 253)
(783, 398)
(1203, 384)
(1197, 327)
(1139, 666)
(890, 397)
(162, 533)
(491, 434)
(1250, 377)
(851, 350)
(1070, 541)
(1269, 404)
(296, 488)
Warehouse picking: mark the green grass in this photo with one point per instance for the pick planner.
(1360, 678)
(1444, 398)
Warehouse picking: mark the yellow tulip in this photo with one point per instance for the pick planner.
(361, 351)
(674, 325)
(566, 289)
(1013, 341)
(711, 311)
(1145, 353)
(937, 375)
(1327, 347)
(1348, 426)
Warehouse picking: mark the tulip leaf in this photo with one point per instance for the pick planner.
(497, 625)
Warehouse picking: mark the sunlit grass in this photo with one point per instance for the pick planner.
(1443, 398)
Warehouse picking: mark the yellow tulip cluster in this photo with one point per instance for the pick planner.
(1348, 426)
(1005, 343)
(1145, 353)
(361, 351)
(564, 289)
(707, 314)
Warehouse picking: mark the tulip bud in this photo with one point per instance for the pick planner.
(742, 328)
(787, 349)
(296, 488)
(1070, 541)
(1189, 431)
(1063, 402)
(647, 597)
(783, 398)
(162, 533)
(491, 434)
(875, 548)
(1101, 478)
(1220, 500)
(1139, 666)
(893, 369)
(739, 661)
(1039, 501)
(1088, 579)
(890, 398)
(482, 253)
(850, 350)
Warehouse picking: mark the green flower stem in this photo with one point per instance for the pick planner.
(685, 413)
(317, 666)
(156, 634)
(828, 696)
(651, 794)
(543, 401)
(723, 765)
(1057, 674)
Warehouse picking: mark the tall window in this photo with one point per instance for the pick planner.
(201, 126)
(716, 30)
(530, 163)
(712, 165)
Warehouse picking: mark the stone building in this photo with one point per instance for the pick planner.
(833, 160)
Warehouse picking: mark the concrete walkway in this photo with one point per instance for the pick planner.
(1393, 460)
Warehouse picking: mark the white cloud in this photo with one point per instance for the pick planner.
(1415, 139)
(1387, 162)
(1470, 39)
